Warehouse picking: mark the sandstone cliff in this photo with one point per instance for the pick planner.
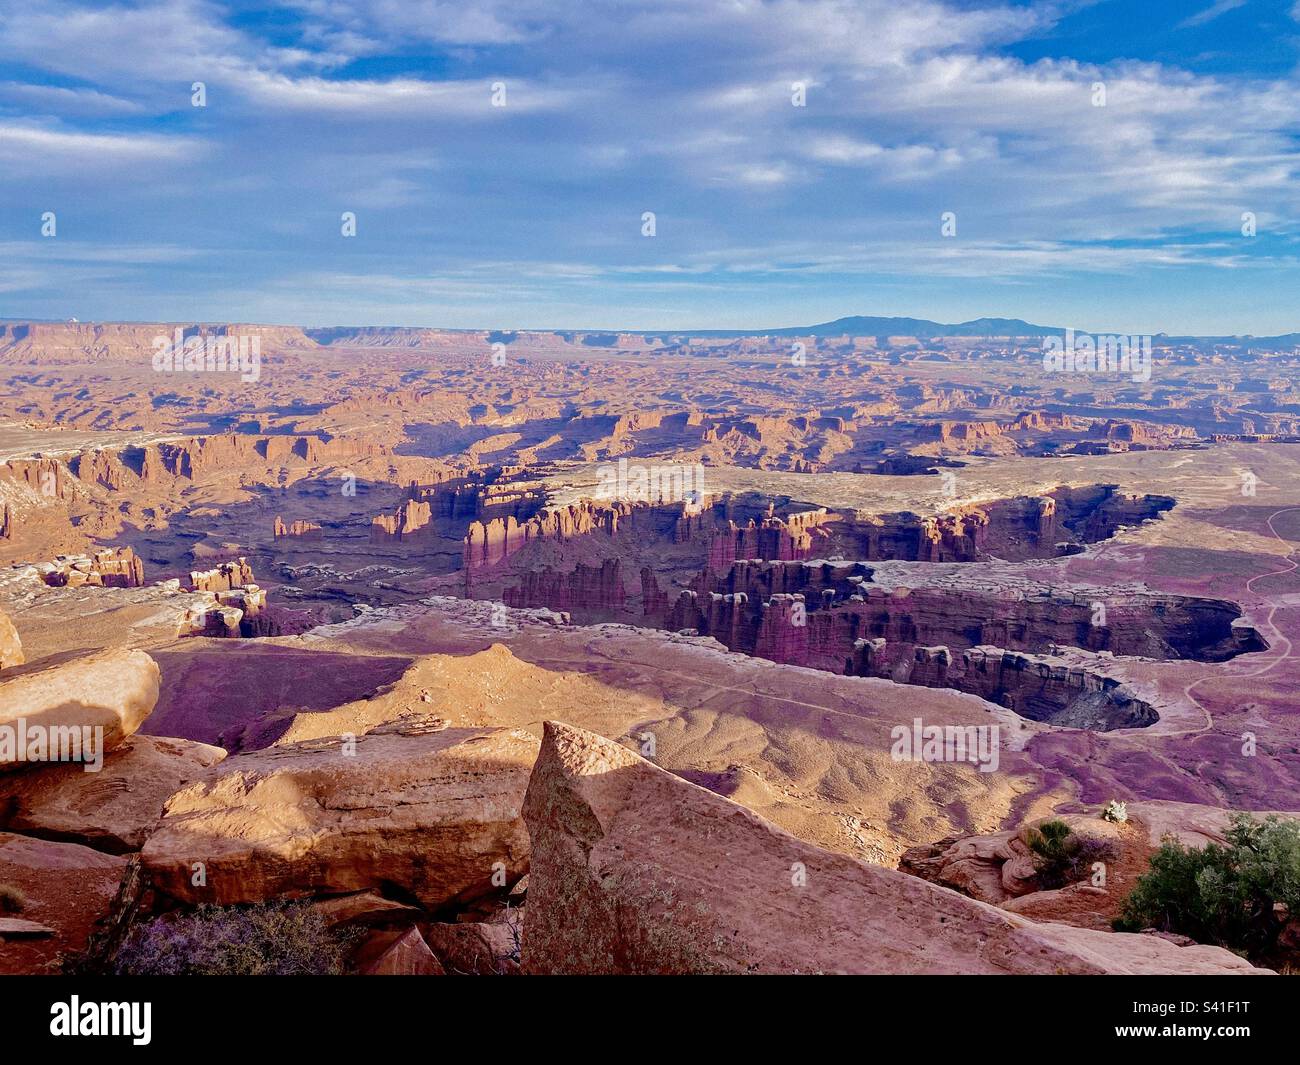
(637, 871)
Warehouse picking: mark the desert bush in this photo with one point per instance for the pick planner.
(1237, 895)
(271, 939)
(12, 899)
(1062, 856)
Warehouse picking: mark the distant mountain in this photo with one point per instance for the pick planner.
(863, 326)
(924, 329)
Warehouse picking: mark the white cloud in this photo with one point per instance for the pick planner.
(1209, 14)
(405, 97)
(60, 100)
(42, 148)
(682, 106)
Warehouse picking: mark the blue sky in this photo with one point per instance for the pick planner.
(1123, 216)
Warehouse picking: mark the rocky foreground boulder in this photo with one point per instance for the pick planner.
(11, 647)
(998, 866)
(113, 690)
(634, 870)
(430, 812)
(114, 809)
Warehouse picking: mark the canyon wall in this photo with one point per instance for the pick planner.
(584, 588)
(997, 643)
(490, 543)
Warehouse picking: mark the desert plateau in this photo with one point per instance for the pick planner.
(386, 653)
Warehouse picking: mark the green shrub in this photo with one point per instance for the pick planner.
(1062, 856)
(1236, 895)
(276, 939)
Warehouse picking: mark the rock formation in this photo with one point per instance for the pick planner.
(57, 713)
(489, 543)
(398, 954)
(241, 612)
(297, 530)
(223, 578)
(411, 517)
(109, 568)
(432, 814)
(73, 885)
(791, 537)
(114, 809)
(654, 600)
(583, 588)
(11, 647)
(637, 871)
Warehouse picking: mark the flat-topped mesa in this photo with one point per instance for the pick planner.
(1038, 687)
(953, 431)
(412, 517)
(120, 468)
(957, 536)
(598, 588)
(1038, 419)
(222, 578)
(995, 642)
(950, 431)
(241, 612)
(297, 530)
(108, 568)
(190, 457)
(1017, 528)
(47, 478)
(481, 495)
(490, 543)
(842, 605)
(1140, 434)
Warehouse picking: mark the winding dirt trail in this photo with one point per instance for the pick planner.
(1279, 639)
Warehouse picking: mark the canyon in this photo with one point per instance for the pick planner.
(403, 634)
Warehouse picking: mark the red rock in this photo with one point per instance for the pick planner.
(67, 887)
(654, 600)
(490, 543)
(432, 814)
(298, 530)
(223, 578)
(112, 810)
(476, 948)
(583, 588)
(406, 955)
(112, 690)
(107, 568)
(11, 647)
(412, 517)
(635, 870)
